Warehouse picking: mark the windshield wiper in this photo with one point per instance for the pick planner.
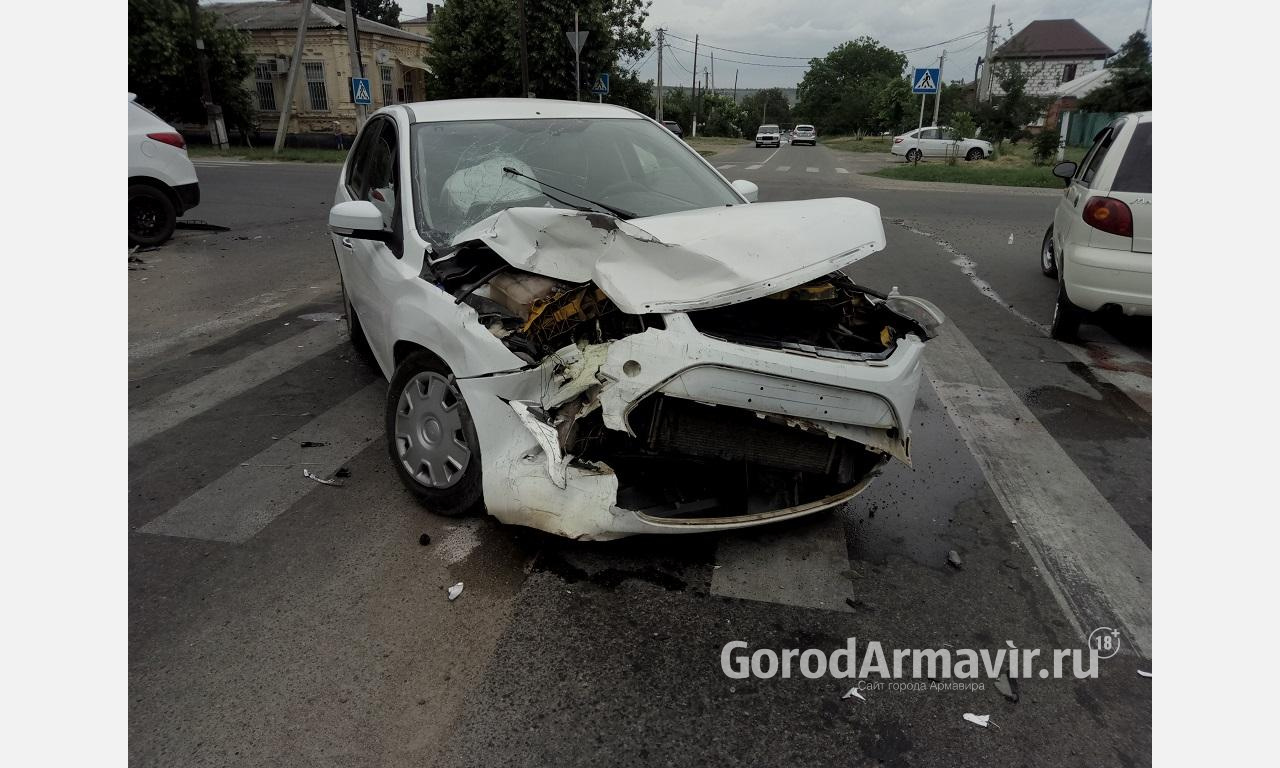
(620, 213)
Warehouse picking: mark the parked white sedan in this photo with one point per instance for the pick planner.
(1099, 245)
(937, 142)
(588, 330)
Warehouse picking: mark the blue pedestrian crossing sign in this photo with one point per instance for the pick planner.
(925, 80)
(601, 87)
(360, 92)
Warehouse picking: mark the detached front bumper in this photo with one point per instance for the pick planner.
(528, 482)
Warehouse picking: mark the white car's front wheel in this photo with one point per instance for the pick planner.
(974, 154)
(432, 438)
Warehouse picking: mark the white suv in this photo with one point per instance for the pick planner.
(162, 180)
(1099, 245)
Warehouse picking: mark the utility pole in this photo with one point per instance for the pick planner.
(1146, 24)
(524, 54)
(713, 71)
(695, 86)
(937, 99)
(213, 112)
(657, 110)
(357, 66)
(577, 57)
(735, 88)
(291, 83)
(984, 87)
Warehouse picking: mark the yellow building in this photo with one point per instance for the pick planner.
(394, 62)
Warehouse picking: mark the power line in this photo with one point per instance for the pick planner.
(677, 61)
(744, 53)
(810, 58)
(637, 67)
(747, 63)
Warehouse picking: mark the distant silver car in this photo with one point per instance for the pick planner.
(768, 136)
(938, 142)
(804, 134)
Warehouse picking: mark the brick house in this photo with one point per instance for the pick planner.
(394, 61)
(1051, 52)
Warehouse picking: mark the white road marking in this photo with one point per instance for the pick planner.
(770, 157)
(811, 169)
(176, 406)
(753, 167)
(245, 500)
(727, 165)
(782, 168)
(1097, 568)
(841, 170)
(239, 315)
(796, 565)
(1119, 366)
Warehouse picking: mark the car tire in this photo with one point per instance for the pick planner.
(913, 155)
(974, 154)
(1048, 258)
(152, 217)
(1066, 316)
(356, 331)
(431, 437)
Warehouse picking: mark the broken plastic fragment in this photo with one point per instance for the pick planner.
(981, 720)
(319, 479)
(1144, 673)
(454, 591)
(953, 559)
(547, 437)
(854, 693)
(1007, 688)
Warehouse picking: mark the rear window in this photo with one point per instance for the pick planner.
(1134, 173)
(804, 127)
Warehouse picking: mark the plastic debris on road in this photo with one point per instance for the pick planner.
(953, 559)
(1007, 688)
(321, 480)
(454, 591)
(1144, 673)
(854, 693)
(982, 720)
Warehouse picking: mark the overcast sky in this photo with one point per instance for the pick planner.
(809, 28)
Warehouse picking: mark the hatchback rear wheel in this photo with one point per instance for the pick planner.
(152, 217)
(1048, 260)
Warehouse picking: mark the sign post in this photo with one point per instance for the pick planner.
(924, 81)
(576, 41)
(601, 87)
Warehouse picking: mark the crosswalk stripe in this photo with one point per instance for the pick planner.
(1097, 568)
(727, 165)
(798, 566)
(192, 399)
(753, 167)
(841, 170)
(245, 500)
(811, 169)
(1116, 364)
(782, 168)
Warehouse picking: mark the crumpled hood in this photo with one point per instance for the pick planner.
(688, 260)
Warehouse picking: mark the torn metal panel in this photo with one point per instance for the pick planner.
(687, 260)
(538, 424)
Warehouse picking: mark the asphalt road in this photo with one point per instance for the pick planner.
(278, 621)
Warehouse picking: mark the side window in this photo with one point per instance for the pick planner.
(1099, 152)
(929, 133)
(358, 169)
(380, 185)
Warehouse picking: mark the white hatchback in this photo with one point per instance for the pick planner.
(937, 142)
(162, 180)
(589, 330)
(1099, 245)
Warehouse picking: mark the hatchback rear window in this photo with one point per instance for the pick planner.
(1134, 173)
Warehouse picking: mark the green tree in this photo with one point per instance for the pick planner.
(382, 11)
(164, 72)
(1007, 116)
(676, 106)
(720, 116)
(839, 90)
(628, 90)
(1129, 89)
(896, 109)
(476, 46)
(767, 106)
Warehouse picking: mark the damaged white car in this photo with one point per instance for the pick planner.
(589, 331)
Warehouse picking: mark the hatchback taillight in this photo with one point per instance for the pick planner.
(897, 140)
(1109, 215)
(171, 138)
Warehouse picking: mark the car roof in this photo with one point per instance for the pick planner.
(513, 109)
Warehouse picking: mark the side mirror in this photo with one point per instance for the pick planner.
(360, 219)
(1065, 170)
(747, 189)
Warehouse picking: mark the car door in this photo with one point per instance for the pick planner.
(1068, 226)
(932, 143)
(370, 268)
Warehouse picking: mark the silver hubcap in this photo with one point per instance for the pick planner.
(1046, 253)
(429, 435)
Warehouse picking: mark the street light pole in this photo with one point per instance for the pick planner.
(937, 99)
(524, 54)
(357, 66)
(291, 83)
(577, 60)
(213, 112)
(657, 113)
